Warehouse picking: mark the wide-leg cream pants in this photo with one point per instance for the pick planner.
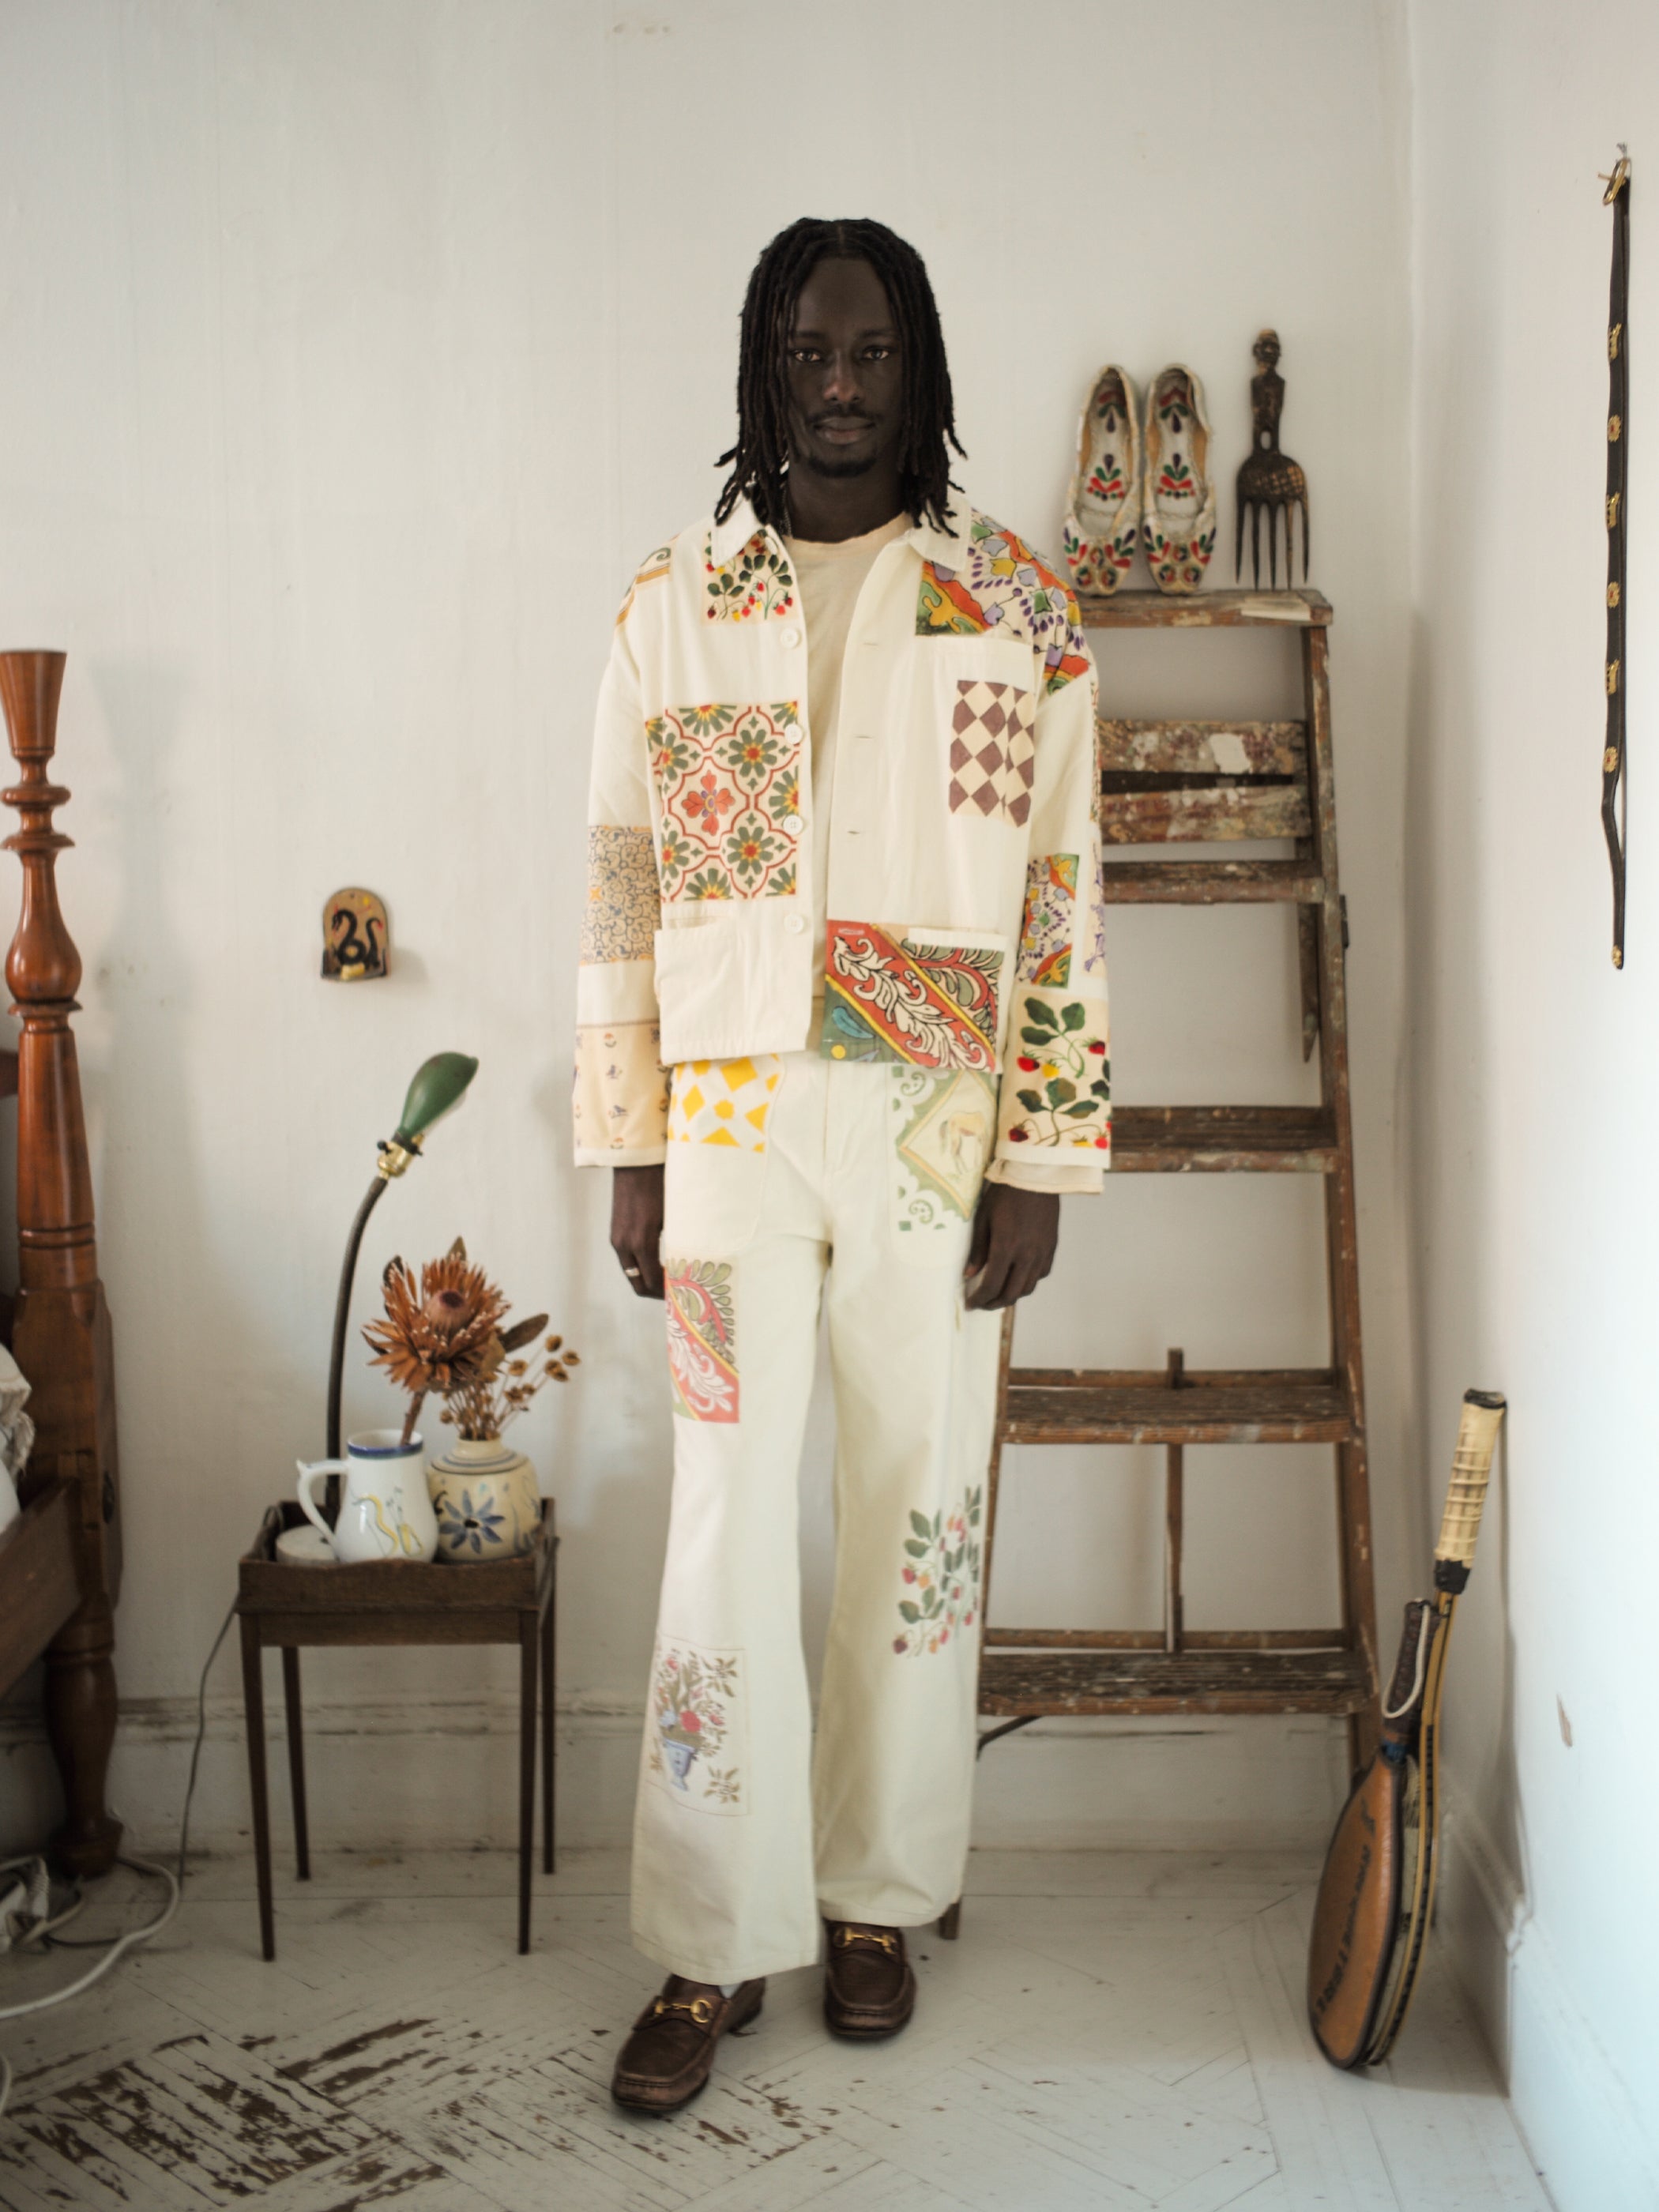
(792, 1180)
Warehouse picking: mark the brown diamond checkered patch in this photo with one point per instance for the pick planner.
(992, 756)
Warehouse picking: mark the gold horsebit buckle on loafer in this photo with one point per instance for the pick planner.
(848, 1936)
(700, 2009)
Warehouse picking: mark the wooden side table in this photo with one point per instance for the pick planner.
(496, 1601)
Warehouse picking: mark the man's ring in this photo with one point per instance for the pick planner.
(634, 1272)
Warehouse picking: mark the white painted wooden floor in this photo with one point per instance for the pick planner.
(1112, 2029)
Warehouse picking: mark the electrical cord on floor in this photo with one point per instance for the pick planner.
(116, 1947)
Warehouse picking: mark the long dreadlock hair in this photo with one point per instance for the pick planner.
(760, 458)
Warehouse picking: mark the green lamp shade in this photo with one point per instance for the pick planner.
(438, 1081)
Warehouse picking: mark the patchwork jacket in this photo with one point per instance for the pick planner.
(965, 928)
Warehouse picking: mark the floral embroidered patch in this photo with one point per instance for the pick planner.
(620, 1094)
(1062, 1076)
(993, 755)
(703, 1338)
(652, 570)
(1000, 585)
(724, 1101)
(940, 1578)
(943, 1126)
(934, 1006)
(1045, 940)
(696, 1730)
(757, 582)
(624, 906)
(728, 779)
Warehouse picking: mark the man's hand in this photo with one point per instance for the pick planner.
(636, 1227)
(1015, 1233)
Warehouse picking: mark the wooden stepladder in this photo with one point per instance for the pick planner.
(1203, 782)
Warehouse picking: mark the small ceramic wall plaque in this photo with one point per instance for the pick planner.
(356, 945)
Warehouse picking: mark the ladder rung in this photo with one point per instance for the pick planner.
(1203, 609)
(1071, 1405)
(1223, 1139)
(1013, 1685)
(1153, 1639)
(1208, 749)
(1210, 883)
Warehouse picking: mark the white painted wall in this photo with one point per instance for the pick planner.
(1534, 1064)
(352, 357)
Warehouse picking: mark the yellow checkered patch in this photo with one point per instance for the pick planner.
(724, 1101)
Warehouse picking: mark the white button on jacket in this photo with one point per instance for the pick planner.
(965, 927)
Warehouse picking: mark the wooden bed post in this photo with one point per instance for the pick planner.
(61, 1337)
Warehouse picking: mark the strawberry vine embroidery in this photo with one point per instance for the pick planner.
(941, 1576)
(1075, 1075)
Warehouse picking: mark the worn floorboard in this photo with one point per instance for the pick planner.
(1118, 2029)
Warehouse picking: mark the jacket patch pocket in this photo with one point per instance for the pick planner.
(992, 750)
(942, 1131)
(728, 784)
(897, 995)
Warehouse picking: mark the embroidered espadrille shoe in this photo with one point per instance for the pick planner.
(1178, 513)
(1102, 510)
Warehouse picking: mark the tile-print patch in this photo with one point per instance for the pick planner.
(724, 1101)
(619, 1095)
(1001, 585)
(696, 1745)
(943, 1126)
(624, 906)
(1045, 942)
(703, 1338)
(728, 780)
(992, 752)
(887, 998)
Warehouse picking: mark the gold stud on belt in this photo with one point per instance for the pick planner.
(700, 2009)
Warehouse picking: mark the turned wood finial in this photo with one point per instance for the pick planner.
(43, 967)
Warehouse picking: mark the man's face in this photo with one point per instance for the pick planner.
(845, 374)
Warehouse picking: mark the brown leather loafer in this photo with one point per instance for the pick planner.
(671, 2053)
(870, 1990)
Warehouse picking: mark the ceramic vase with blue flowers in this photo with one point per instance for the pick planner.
(487, 1500)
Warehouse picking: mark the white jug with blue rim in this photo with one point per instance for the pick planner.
(385, 1511)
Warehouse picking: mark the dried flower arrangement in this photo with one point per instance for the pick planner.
(443, 1336)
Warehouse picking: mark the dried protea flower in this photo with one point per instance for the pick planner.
(438, 1335)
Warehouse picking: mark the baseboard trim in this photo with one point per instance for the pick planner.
(441, 1776)
(1572, 2106)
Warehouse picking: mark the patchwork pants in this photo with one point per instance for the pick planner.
(794, 1182)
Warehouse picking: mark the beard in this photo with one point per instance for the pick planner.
(835, 470)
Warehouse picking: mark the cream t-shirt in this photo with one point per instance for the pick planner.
(830, 577)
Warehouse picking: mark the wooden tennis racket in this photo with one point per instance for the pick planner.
(1376, 1894)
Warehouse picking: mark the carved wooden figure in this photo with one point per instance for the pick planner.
(1269, 481)
(355, 934)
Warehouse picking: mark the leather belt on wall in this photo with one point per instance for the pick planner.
(1612, 756)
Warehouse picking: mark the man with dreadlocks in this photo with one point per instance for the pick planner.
(842, 1037)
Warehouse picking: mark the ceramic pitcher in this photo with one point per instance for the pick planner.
(386, 1512)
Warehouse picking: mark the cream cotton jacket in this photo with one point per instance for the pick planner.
(965, 928)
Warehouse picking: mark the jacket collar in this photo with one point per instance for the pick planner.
(727, 538)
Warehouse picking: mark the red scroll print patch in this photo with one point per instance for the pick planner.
(933, 1006)
(703, 1338)
(993, 755)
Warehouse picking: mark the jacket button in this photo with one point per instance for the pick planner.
(792, 636)
(794, 825)
(794, 924)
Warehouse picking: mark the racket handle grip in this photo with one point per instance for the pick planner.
(1460, 1524)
